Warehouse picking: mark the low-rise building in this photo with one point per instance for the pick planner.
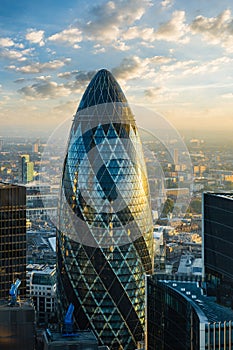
(17, 325)
(41, 288)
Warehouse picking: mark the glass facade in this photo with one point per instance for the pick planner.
(12, 238)
(218, 245)
(218, 233)
(172, 321)
(105, 244)
(181, 317)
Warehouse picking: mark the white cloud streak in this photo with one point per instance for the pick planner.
(36, 37)
(41, 67)
(71, 36)
(6, 42)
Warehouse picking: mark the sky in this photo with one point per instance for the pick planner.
(174, 57)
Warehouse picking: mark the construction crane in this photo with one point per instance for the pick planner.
(14, 292)
(68, 320)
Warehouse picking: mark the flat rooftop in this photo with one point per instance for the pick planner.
(213, 311)
(41, 269)
(21, 305)
(82, 336)
(8, 185)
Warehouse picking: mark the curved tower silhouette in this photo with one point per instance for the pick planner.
(104, 240)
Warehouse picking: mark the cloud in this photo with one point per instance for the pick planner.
(215, 30)
(12, 55)
(115, 22)
(110, 18)
(44, 90)
(208, 67)
(228, 96)
(153, 92)
(174, 30)
(98, 49)
(70, 36)
(6, 42)
(130, 68)
(177, 66)
(19, 81)
(108, 21)
(41, 67)
(147, 34)
(67, 75)
(81, 81)
(135, 67)
(35, 37)
(43, 78)
(166, 3)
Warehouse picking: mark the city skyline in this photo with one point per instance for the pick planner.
(172, 57)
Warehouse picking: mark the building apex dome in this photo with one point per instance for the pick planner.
(103, 88)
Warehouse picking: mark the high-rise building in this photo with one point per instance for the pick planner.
(12, 238)
(218, 245)
(105, 238)
(35, 146)
(26, 169)
(181, 316)
(1, 144)
(197, 312)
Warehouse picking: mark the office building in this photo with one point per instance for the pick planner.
(181, 316)
(218, 245)
(12, 237)
(41, 288)
(35, 146)
(105, 238)
(1, 144)
(26, 169)
(196, 312)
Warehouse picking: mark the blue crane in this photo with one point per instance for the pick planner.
(14, 292)
(68, 320)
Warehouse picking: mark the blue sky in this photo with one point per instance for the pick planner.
(173, 57)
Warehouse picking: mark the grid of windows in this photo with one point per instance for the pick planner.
(12, 238)
(104, 251)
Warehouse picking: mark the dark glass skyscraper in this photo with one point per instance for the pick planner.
(104, 241)
(12, 238)
(218, 245)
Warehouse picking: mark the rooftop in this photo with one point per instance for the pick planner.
(222, 195)
(203, 304)
(21, 305)
(41, 269)
(8, 185)
(82, 337)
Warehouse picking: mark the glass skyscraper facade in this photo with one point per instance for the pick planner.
(105, 236)
(218, 245)
(12, 238)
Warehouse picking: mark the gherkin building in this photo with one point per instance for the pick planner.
(105, 233)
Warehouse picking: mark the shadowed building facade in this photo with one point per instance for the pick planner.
(12, 238)
(104, 241)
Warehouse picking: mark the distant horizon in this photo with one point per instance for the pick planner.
(218, 136)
